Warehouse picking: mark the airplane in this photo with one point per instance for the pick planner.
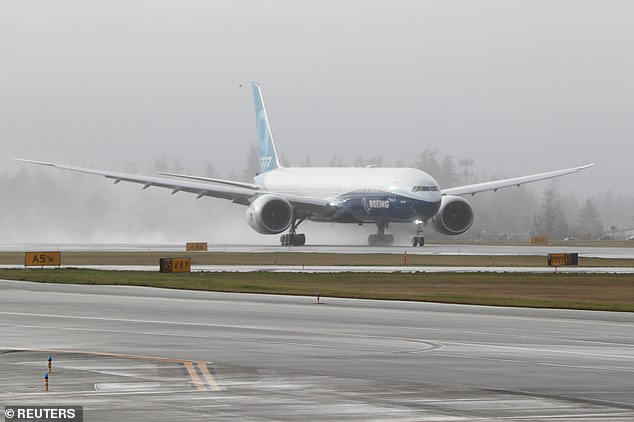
(281, 198)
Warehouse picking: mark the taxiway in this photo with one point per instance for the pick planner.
(151, 354)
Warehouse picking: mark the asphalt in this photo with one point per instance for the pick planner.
(130, 353)
(361, 269)
(428, 249)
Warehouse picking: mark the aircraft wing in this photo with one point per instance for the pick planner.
(505, 183)
(240, 193)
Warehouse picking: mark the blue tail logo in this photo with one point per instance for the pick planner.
(268, 154)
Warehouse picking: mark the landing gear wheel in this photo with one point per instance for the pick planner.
(380, 239)
(293, 238)
(298, 239)
(372, 239)
(418, 239)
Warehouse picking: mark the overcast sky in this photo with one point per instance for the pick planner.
(518, 86)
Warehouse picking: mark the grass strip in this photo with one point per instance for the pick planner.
(299, 258)
(610, 292)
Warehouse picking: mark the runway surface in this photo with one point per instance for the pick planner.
(130, 353)
(361, 269)
(429, 249)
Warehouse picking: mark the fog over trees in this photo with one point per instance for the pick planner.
(47, 205)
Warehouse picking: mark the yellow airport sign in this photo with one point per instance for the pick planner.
(42, 259)
(196, 247)
(539, 240)
(561, 259)
(175, 265)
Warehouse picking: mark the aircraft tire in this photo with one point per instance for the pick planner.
(299, 239)
(380, 240)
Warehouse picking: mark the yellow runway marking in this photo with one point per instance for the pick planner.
(194, 376)
(188, 364)
(211, 382)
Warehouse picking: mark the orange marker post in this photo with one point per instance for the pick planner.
(46, 382)
(50, 364)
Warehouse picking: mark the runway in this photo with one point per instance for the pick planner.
(428, 249)
(130, 353)
(362, 269)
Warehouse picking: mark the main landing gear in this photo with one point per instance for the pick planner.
(380, 238)
(418, 240)
(293, 238)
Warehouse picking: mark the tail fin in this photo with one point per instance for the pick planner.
(268, 153)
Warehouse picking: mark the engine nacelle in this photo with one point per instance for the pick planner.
(270, 214)
(454, 216)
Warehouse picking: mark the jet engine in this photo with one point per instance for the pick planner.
(454, 216)
(270, 214)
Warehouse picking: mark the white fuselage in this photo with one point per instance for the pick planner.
(330, 182)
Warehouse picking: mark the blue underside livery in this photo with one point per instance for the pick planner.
(381, 206)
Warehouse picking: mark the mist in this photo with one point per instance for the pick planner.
(44, 205)
(519, 87)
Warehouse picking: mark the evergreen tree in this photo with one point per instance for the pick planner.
(449, 176)
(589, 221)
(160, 164)
(176, 167)
(252, 165)
(335, 162)
(131, 168)
(550, 221)
(209, 170)
(362, 162)
(428, 163)
(444, 172)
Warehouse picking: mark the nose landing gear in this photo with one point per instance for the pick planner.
(418, 240)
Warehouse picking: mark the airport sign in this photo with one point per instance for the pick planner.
(43, 259)
(561, 259)
(196, 247)
(175, 265)
(539, 240)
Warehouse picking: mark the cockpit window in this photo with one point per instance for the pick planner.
(425, 189)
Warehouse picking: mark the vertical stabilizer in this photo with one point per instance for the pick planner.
(268, 153)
